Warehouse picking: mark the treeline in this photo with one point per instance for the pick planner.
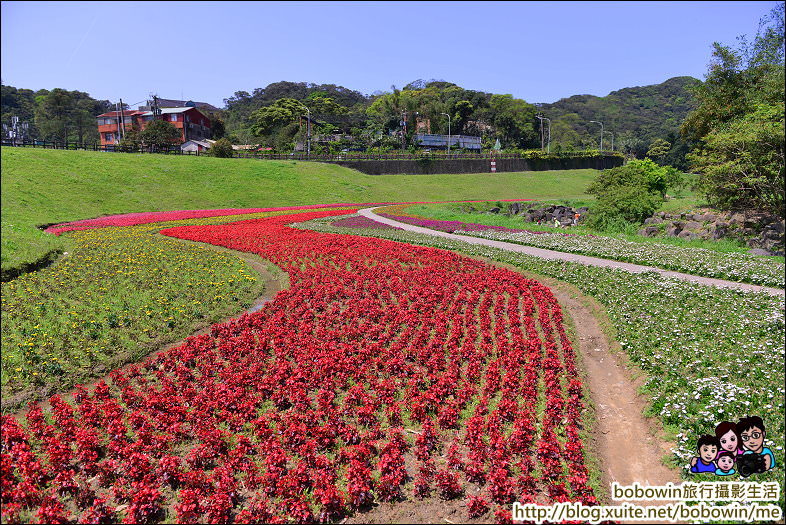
(270, 116)
(57, 115)
(636, 116)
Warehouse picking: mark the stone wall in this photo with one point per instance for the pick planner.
(763, 233)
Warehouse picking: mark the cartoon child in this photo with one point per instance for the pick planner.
(707, 447)
(725, 464)
(726, 432)
(751, 431)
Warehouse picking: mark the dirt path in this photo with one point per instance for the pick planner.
(572, 257)
(628, 445)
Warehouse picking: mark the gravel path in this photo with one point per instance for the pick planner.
(572, 257)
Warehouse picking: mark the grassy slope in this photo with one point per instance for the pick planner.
(47, 186)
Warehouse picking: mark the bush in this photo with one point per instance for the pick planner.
(630, 193)
(222, 148)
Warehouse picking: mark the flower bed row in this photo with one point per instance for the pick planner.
(133, 219)
(386, 372)
(710, 354)
(118, 294)
(739, 267)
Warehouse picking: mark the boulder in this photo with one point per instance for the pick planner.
(685, 234)
(737, 218)
(653, 220)
(494, 210)
(673, 230)
(759, 251)
(649, 231)
(719, 232)
(692, 225)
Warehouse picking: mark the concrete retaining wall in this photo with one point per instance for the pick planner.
(427, 165)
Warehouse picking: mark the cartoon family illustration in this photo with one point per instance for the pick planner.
(739, 445)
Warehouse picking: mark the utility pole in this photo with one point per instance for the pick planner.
(122, 119)
(117, 114)
(448, 132)
(403, 130)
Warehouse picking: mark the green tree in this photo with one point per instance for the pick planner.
(658, 149)
(514, 120)
(160, 134)
(282, 112)
(630, 193)
(53, 114)
(222, 148)
(130, 141)
(738, 126)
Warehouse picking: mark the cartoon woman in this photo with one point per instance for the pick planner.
(726, 432)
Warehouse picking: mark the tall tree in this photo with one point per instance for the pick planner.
(53, 115)
(739, 124)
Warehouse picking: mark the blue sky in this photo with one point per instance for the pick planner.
(205, 51)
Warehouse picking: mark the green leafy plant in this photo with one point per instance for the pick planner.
(222, 148)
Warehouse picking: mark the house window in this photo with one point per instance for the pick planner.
(173, 117)
(110, 137)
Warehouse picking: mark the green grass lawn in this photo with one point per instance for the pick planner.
(48, 186)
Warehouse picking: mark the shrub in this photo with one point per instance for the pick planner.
(222, 148)
(630, 193)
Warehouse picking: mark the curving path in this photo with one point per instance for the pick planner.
(572, 257)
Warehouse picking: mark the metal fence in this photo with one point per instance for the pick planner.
(343, 156)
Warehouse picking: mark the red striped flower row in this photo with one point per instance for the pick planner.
(132, 219)
(385, 372)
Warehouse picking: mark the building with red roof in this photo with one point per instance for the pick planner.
(191, 122)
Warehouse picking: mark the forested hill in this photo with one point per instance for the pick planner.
(635, 115)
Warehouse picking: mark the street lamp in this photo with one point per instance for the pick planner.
(308, 130)
(601, 133)
(548, 147)
(448, 131)
(612, 139)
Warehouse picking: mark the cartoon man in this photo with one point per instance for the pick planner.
(752, 432)
(707, 447)
(725, 463)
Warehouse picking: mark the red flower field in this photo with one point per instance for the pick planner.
(385, 372)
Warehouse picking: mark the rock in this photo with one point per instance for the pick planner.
(737, 218)
(653, 220)
(685, 234)
(494, 210)
(649, 231)
(759, 251)
(719, 231)
(692, 225)
(673, 230)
